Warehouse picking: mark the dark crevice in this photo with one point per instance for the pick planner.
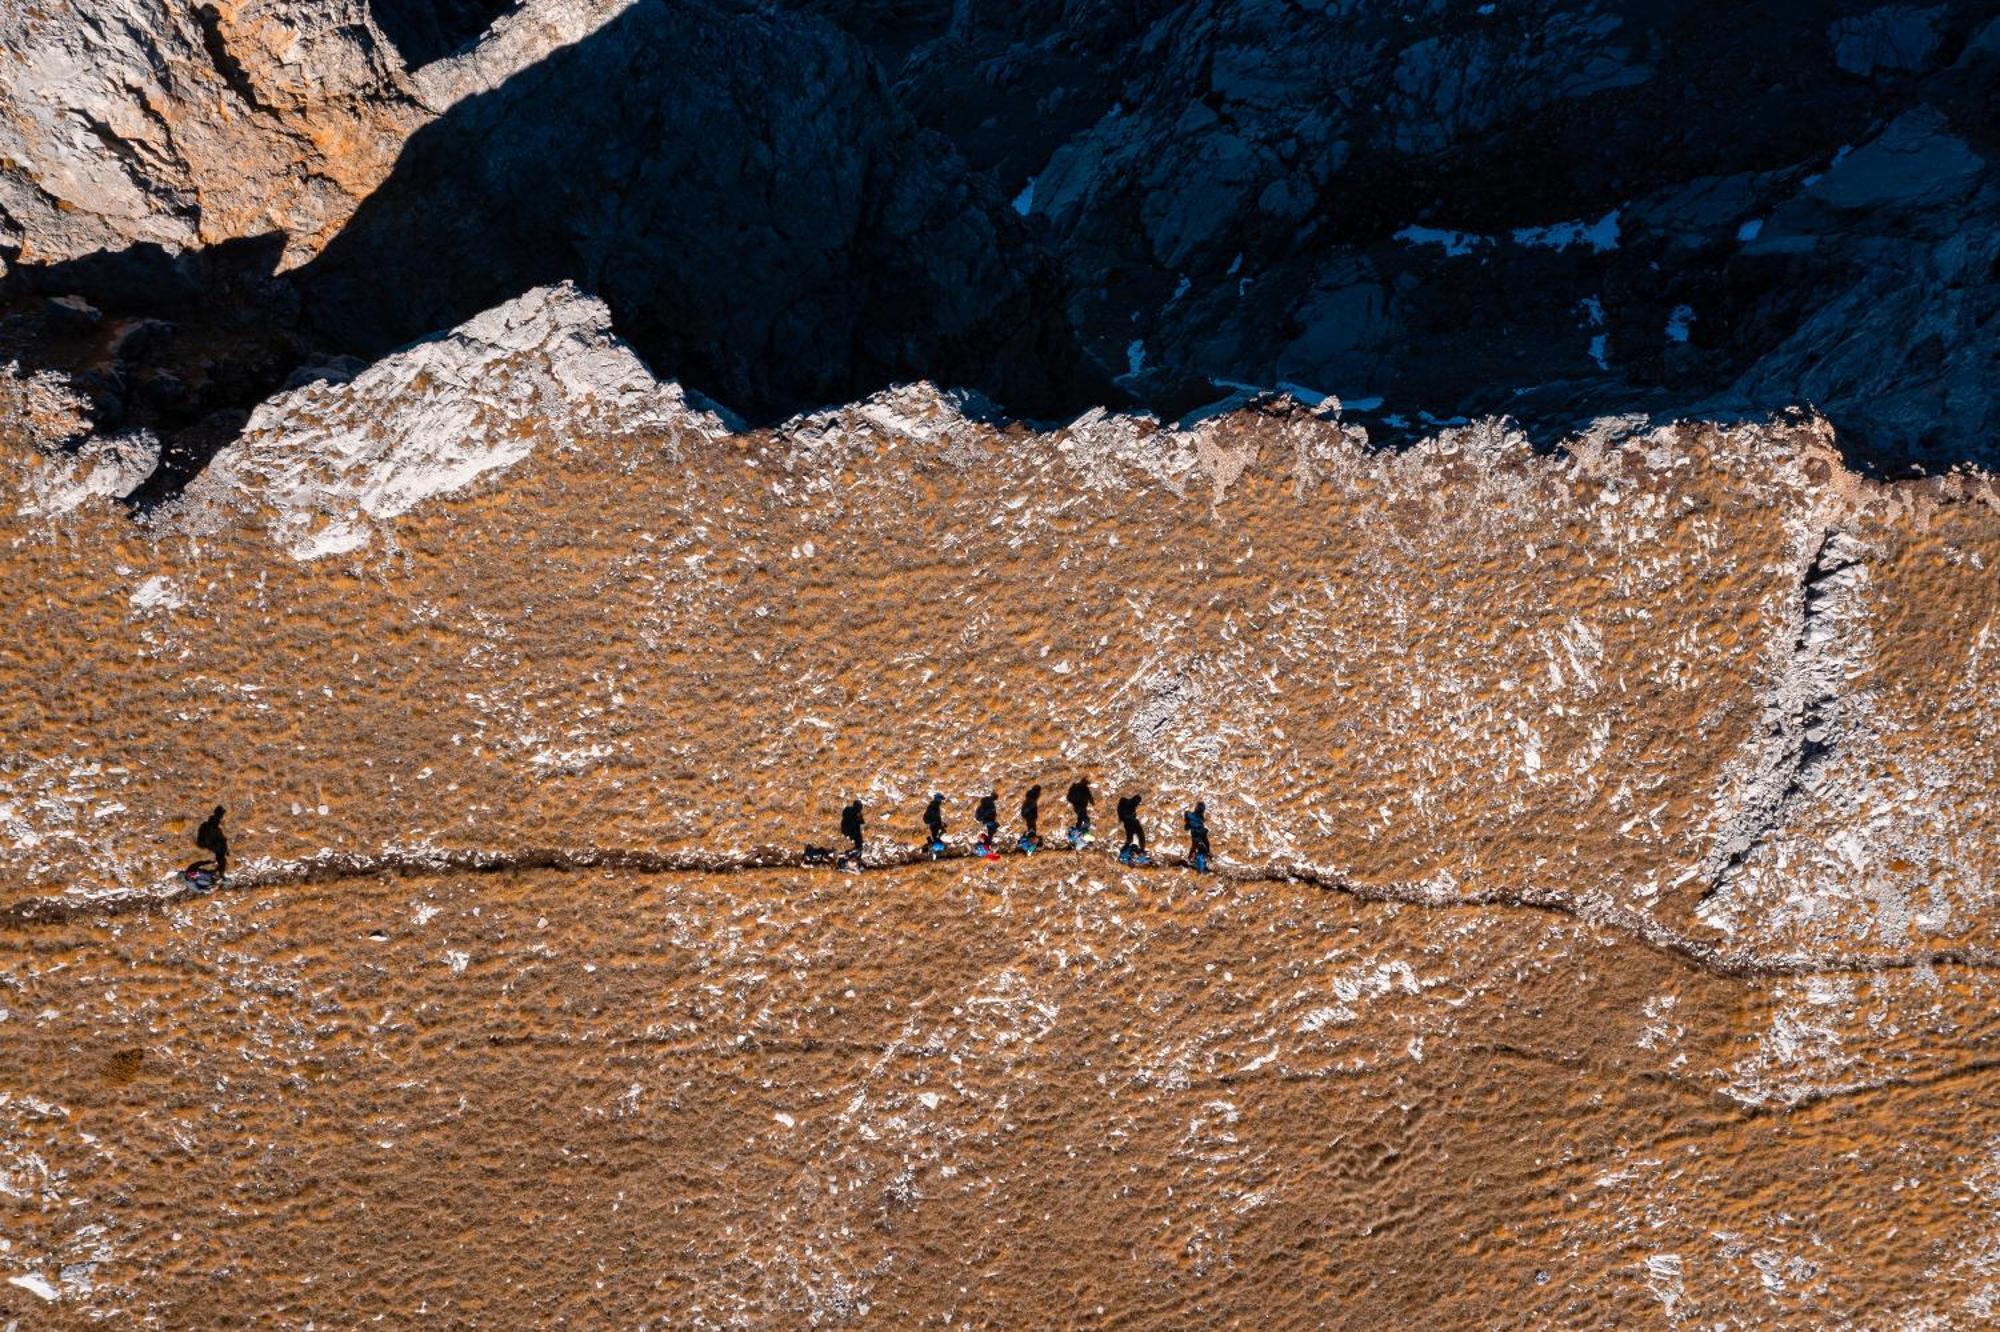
(210, 21)
(1802, 719)
(427, 30)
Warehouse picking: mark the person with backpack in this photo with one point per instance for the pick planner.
(1134, 850)
(1079, 798)
(209, 837)
(1196, 819)
(934, 826)
(987, 815)
(1031, 814)
(850, 828)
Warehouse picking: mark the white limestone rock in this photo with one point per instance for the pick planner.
(330, 464)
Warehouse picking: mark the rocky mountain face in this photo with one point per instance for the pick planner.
(493, 450)
(1548, 211)
(1605, 921)
(1666, 672)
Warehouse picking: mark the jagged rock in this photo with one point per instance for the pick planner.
(1239, 162)
(327, 462)
(762, 221)
(183, 123)
(1896, 37)
(72, 314)
(781, 222)
(103, 467)
(128, 121)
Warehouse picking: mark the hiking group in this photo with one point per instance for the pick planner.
(209, 837)
(986, 813)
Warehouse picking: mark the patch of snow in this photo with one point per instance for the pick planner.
(1600, 236)
(1319, 1017)
(1679, 319)
(1025, 200)
(1750, 230)
(37, 1286)
(1599, 345)
(158, 593)
(570, 761)
(1135, 357)
(1454, 242)
(1663, 1280)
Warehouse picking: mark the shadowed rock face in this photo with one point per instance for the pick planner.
(424, 30)
(1546, 209)
(762, 220)
(1549, 210)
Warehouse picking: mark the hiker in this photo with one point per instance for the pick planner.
(1196, 820)
(210, 838)
(1134, 850)
(850, 827)
(934, 824)
(1081, 803)
(1031, 814)
(987, 814)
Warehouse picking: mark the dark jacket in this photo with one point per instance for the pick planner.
(1128, 817)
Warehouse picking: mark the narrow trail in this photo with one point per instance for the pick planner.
(333, 867)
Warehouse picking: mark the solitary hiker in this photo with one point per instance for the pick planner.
(850, 828)
(1134, 850)
(210, 838)
(1196, 820)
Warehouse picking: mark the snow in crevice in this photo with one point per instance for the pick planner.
(1599, 237)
